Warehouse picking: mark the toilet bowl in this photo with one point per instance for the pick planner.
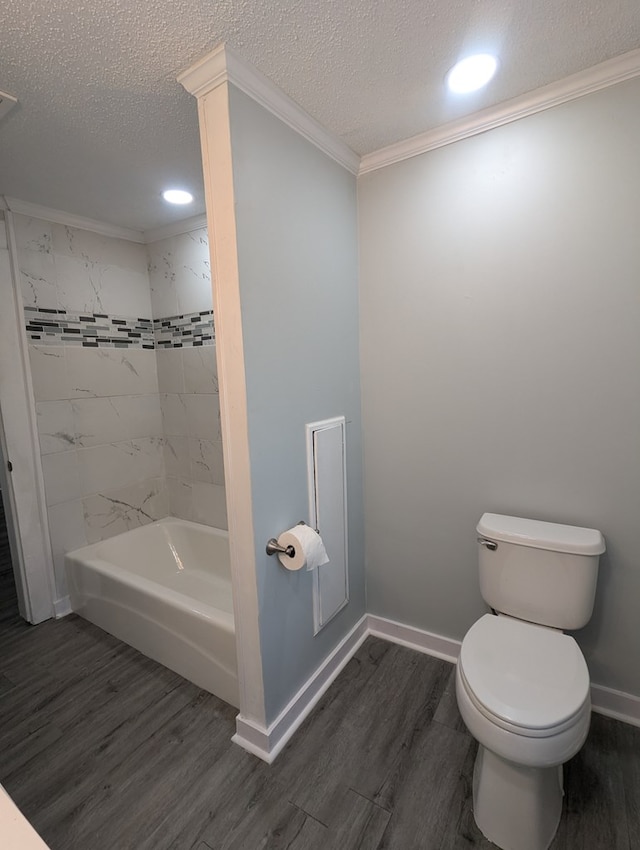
(523, 693)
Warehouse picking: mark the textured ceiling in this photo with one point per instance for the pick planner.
(102, 125)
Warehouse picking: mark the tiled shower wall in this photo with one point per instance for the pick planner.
(181, 303)
(96, 358)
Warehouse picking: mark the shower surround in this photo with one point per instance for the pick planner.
(187, 377)
(122, 353)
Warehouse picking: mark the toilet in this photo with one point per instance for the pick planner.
(522, 685)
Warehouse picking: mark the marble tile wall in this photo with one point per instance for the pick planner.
(180, 274)
(119, 450)
(97, 405)
(63, 268)
(181, 299)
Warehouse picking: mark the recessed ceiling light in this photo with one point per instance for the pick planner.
(177, 196)
(472, 73)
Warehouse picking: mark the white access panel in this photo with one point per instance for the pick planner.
(328, 513)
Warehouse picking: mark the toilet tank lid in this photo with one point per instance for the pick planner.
(542, 535)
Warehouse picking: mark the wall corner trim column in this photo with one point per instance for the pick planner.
(223, 64)
(215, 135)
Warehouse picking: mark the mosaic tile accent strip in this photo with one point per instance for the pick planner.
(98, 330)
(187, 330)
(92, 330)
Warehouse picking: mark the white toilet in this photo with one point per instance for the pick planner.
(522, 685)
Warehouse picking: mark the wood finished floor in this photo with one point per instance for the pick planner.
(104, 749)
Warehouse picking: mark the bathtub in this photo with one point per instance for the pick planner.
(165, 589)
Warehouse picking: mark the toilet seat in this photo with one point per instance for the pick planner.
(523, 731)
(527, 679)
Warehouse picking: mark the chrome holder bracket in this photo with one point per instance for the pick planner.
(274, 548)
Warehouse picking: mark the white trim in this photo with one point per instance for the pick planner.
(311, 429)
(593, 79)
(62, 607)
(431, 644)
(217, 161)
(10, 512)
(253, 738)
(607, 701)
(175, 228)
(141, 237)
(616, 704)
(267, 743)
(71, 220)
(207, 73)
(223, 64)
(34, 569)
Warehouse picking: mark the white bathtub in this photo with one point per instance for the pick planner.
(164, 589)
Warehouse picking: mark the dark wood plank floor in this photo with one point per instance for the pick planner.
(105, 750)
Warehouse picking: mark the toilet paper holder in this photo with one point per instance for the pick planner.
(274, 548)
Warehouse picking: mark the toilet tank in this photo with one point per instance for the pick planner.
(539, 571)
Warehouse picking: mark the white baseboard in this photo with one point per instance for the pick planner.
(266, 743)
(61, 607)
(414, 638)
(253, 738)
(616, 704)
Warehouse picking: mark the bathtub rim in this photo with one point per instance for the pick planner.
(85, 556)
(139, 530)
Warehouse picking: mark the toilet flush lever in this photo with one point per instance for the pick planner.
(490, 544)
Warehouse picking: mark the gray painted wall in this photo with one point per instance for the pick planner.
(500, 324)
(296, 219)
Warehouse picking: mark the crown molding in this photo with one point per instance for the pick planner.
(176, 228)
(71, 220)
(142, 237)
(601, 76)
(207, 73)
(223, 64)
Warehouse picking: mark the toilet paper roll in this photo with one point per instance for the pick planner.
(308, 545)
